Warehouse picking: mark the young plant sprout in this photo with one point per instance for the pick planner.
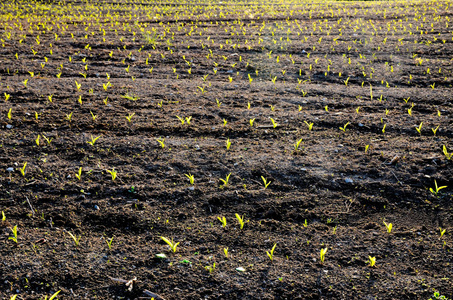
(161, 142)
(191, 178)
(225, 181)
(225, 251)
(93, 140)
(171, 244)
(223, 221)
(372, 261)
(79, 174)
(266, 184)
(109, 243)
(75, 239)
(270, 253)
(445, 152)
(344, 127)
(322, 254)
(437, 188)
(389, 227)
(296, 145)
(274, 124)
(113, 173)
(14, 237)
(442, 232)
(228, 144)
(240, 220)
(310, 125)
(22, 170)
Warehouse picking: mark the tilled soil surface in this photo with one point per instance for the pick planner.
(318, 124)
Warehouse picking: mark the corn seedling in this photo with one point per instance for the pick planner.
(113, 173)
(274, 124)
(188, 119)
(7, 96)
(389, 227)
(442, 232)
(225, 181)
(210, 269)
(419, 128)
(448, 155)
(69, 117)
(109, 243)
(218, 102)
(37, 140)
(296, 145)
(437, 188)
(271, 252)
(434, 130)
(181, 119)
(191, 178)
(47, 139)
(223, 221)
(161, 142)
(129, 117)
(93, 116)
(93, 140)
(228, 144)
(9, 115)
(224, 122)
(251, 122)
(240, 220)
(225, 251)
(22, 170)
(171, 244)
(75, 238)
(14, 237)
(78, 85)
(3, 216)
(52, 297)
(372, 261)
(79, 174)
(344, 127)
(322, 254)
(266, 184)
(310, 125)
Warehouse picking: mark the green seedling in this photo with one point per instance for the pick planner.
(129, 117)
(181, 120)
(191, 178)
(383, 128)
(50, 98)
(47, 139)
(296, 145)
(25, 82)
(448, 155)
(419, 128)
(366, 148)
(210, 269)
(437, 188)
(346, 81)
(202, 89)
(322, 254)
(224, 122)
(305, 223)
(22, 170)
(78, 85)
(442, 232)
(93, 116)
(310, 125)
(266, 184)
(372, 261)
(10, 113)
(389, 227)
(271, 252)
(240, 220)
(225, 251)
(344, 127)
(248, 105)
(434, 130)
(6, 96)
(109, 243)
(113, 173)
(228, 144)
(13, 297)
(14, 237)
(225, 181)
(188, 119)
(79, 174)
(37, 140)
(3, 216)
(223, 221)
(251, 122)
(218, 102)
(69, 117)
(52, 297)
(274, 124)
(172, 244)
(75, 238)
(161, 142)
(93, 140)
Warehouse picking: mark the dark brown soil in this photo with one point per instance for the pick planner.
(336, 191)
